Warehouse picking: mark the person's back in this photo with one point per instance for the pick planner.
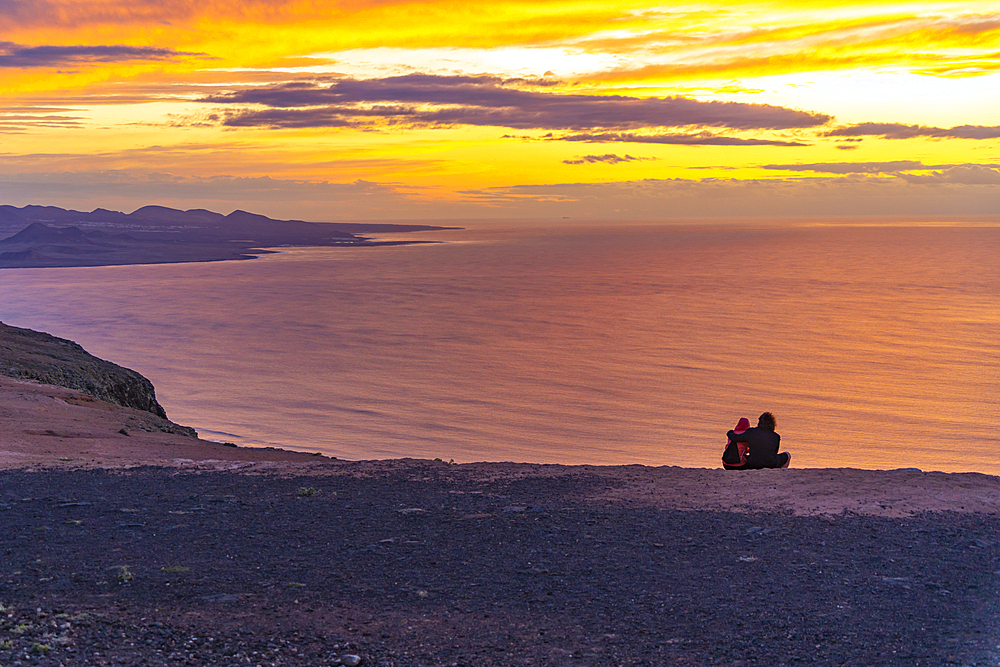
(763, 443)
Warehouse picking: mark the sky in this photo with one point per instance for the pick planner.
(385, 110)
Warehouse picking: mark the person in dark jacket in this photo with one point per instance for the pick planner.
(763, 443)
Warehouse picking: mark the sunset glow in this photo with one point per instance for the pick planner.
(365, 109)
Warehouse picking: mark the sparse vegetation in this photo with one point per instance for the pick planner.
(39, 647)
(307, 491)
(124, 575)
(175, 568)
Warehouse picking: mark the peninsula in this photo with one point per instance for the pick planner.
(49, 236)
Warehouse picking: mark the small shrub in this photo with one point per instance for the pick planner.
(38, 647)
(307, 491)
(124, 575)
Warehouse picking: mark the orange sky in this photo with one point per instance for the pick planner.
(382, 109)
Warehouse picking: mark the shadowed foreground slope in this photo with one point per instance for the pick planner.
(421, 563)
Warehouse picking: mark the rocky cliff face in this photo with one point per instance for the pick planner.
(32, 355)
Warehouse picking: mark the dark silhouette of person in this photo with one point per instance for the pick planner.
(763, 443)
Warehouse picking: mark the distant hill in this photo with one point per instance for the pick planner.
(41, 236)
(23, 257)
(13, 219)
(37, 233)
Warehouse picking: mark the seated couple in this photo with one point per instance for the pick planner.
(754, 448)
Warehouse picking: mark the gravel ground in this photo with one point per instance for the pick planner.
(435, 566)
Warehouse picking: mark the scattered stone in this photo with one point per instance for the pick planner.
(272, 584)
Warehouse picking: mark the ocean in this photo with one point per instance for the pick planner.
(875, 346)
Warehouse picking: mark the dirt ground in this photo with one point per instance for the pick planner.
(152, 548)
(46, 427)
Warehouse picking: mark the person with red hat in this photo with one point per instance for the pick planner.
(735, 456)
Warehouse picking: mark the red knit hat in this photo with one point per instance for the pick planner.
(742, 425)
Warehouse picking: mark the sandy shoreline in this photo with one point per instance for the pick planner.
(45, 426)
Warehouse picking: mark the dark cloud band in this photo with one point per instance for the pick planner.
(696, 139)
(15, 55)
(852, 167)
(900, 131)
(609, 158)
(967, 174)
(488, 101)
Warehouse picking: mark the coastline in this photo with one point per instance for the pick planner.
(51, 427)
(129, 540)
(49, 236)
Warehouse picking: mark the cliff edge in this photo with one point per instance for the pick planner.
(37, 356)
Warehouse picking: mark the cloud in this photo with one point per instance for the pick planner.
(965, 174)
(698, 139)
(18, 120)
(16, 55)
(279, 198)
(851, 167)
(486, 101)
(955, 191)
(807, 41)
(609, 158)
(663, 199)
(79, 13)
(900, 131)
(891, 167)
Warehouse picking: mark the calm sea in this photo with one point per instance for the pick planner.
(875, 346)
